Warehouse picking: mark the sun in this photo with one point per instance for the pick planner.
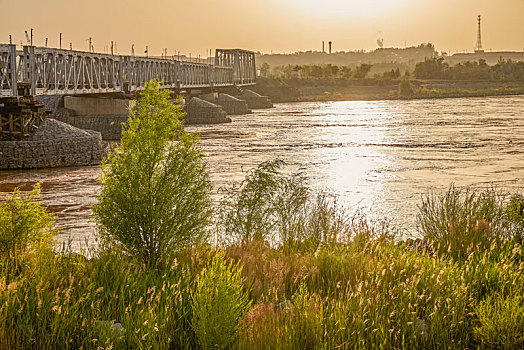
(348, 7)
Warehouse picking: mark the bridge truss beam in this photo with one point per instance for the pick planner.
(242, 62)
(47, 71)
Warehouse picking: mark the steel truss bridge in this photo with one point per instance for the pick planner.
(47, 71)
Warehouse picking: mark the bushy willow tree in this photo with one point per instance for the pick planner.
(155, 188)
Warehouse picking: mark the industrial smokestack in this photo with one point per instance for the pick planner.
(329, 43)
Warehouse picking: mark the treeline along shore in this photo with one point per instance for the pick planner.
(433, 78)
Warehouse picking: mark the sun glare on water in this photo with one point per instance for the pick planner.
(348, 7)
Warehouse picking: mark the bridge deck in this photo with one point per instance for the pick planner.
(48, 71)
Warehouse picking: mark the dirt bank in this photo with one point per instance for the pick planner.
(312, 90)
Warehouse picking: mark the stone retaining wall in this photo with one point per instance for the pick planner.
(55, 144)
(51, 103)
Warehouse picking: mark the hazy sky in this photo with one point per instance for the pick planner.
(269, 25)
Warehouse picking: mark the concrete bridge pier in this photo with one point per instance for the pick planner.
(230, 104)
(256, 101)
(233, 105)
(200, 111)
(104, 115)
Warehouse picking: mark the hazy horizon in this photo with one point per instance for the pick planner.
(278, 26)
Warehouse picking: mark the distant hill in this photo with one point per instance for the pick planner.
(404, 57)
(490, 57)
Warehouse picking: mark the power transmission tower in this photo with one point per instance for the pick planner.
(478, 47)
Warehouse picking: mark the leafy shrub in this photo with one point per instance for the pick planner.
(405, 88)
(501, 322)
(23, 223)
(247, 210)
(275, 207)
(267, 206)
(290, 207)
(219, 303)
(155, 191)
(462, 220)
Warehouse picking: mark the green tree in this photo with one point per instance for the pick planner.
(265, 68)
(362, 70)
(397, 73)
(155, 188)
(315, 71)
(431, 68)
(346, 71)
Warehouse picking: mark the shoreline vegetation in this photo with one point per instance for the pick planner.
(326, 281)
(433, 78)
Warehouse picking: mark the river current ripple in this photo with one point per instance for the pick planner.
(380, 157)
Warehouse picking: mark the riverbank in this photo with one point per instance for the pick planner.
(323, 90)
(354, 288)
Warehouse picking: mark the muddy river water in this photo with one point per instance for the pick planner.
(379, 156)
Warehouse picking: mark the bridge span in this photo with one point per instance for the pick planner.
(47, 71)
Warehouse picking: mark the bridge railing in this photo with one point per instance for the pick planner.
(47, 71)
(222, 76)
(195, 75)
(138, 70)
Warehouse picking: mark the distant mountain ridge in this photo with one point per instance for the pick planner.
(407, 56)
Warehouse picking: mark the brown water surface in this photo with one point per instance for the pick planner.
(379, 156)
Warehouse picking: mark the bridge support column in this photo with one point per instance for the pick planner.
(13, 75)
(256, 101)
(29, 71)
(232, 105)
(199, 111)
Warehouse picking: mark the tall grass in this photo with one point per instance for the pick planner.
(462, 220)
(218, 304)
(370, 299)
(73, 303)
(24, 225)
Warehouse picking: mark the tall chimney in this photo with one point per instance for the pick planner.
(329, 43)
(323, 47)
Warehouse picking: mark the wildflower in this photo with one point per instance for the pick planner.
(11, 286)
